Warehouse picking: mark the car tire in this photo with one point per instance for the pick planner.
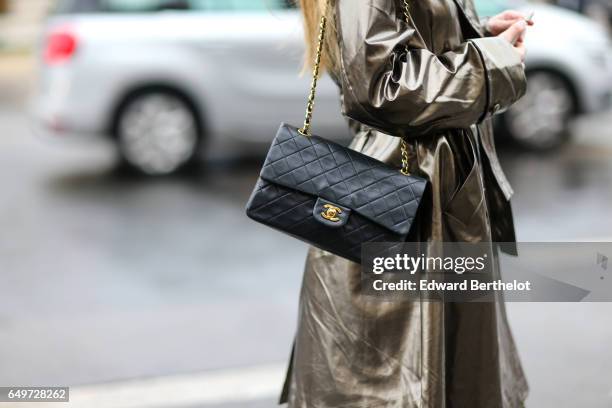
(157, 132)
(540, 121)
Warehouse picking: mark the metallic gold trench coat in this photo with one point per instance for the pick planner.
(436, 81)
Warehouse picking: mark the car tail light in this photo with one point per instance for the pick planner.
(61, 44)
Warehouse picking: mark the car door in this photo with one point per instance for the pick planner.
(260, 55)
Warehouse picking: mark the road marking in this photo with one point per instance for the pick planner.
(186, 390)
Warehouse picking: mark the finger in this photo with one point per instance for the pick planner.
(500, 26)
(522, 50)
(512, 15)
(515, 31)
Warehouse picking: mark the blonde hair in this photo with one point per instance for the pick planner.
(312, 10)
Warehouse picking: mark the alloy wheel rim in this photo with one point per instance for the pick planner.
(540, 118)
(158, 133)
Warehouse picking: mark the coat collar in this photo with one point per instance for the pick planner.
(466, 7)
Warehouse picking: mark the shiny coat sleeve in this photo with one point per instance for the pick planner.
(392, 82)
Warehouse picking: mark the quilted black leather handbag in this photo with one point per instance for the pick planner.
(329, 195)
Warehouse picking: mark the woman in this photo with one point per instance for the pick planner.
(427, 71)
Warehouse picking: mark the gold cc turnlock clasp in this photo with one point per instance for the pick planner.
(331, 213)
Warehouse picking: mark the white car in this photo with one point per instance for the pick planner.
(569, 67)
(170, 79)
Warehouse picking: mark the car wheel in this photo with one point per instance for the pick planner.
(540, 120)
(157, 132)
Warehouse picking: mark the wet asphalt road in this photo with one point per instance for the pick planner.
(106, 276)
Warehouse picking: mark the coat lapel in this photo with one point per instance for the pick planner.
(466, 7)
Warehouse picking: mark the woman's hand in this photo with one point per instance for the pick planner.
(502, 22)
(515, 35)
(511, 25)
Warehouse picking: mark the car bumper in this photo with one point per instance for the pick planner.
(61, 119)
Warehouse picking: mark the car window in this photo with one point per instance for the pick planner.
(76, 6)
(203, 5)
(239, 4)
(143, 6)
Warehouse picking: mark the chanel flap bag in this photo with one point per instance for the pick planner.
(331, 196)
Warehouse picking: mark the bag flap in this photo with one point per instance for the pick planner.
(341, 175)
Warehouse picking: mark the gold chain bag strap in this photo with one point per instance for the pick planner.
(305, 129)
(329, 195)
